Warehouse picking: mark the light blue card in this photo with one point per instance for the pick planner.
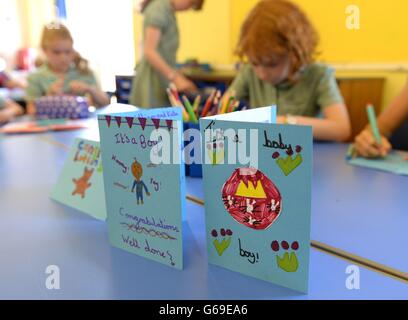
(80, 184)
(395, 162)
(258, 207)
(145, 198)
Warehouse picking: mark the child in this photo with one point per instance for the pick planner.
(280, 43)
(161, 41)
(388, 121)
(9, 110)
(64, 71)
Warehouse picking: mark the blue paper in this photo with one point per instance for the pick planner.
(395, 162)
(80, 184)
(258, 213)
(145, 200)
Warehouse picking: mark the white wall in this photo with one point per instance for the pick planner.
(10, 30)
(103, 34)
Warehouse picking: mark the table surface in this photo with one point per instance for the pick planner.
(36, 232)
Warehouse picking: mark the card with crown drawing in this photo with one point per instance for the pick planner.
(80, 184)
(145, 182)
(257, 183)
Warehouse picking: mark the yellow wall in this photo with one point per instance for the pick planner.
(34, 14)
(204, 34)
(381, 38)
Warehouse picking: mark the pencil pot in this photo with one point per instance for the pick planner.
(192, 169)
(57, 107)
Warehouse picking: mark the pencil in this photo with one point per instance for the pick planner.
(189, 109)
(373, 123)
(225, 102)
(196, 104)
(208, 104)
(178, 104)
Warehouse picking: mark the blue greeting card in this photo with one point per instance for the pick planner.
(80, 184)
(144, 182)
(257, 182)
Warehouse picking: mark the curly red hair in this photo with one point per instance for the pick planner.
(275, 29)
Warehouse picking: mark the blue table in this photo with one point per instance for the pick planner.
(36, 232)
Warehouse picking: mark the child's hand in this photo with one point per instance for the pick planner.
(366, 146)
(183, 84)
(79, 87)
(56, 88)
(5, 116)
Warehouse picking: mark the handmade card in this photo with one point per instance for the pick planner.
(80, 184)
(144, 182)
(257, 182)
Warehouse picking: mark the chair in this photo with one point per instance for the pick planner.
(123, 88)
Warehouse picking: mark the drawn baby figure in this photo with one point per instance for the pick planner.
(138, 183)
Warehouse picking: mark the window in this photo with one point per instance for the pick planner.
(103, 34)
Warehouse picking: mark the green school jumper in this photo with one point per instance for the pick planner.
(40, 81)
(149, 87)
(315, 90)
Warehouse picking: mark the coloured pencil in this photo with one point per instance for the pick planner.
(190, 110)
(373, 123)
(196, 104)
(208, 104)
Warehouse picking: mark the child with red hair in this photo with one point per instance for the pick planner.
(279, 44)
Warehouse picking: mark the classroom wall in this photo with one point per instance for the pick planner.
(381, 37)
(10, 31)
(34, 14)
(204, 34)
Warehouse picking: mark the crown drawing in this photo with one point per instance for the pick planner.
(289, 163)
(250, 191)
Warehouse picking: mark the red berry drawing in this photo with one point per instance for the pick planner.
(298, 149)
(275, 155)
(229, 232)
(275, 246)
(223, 232)
(289, 152)
(295, 245)
(214, 233)
(285, 245)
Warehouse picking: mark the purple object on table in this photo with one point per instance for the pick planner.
(56, 107)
